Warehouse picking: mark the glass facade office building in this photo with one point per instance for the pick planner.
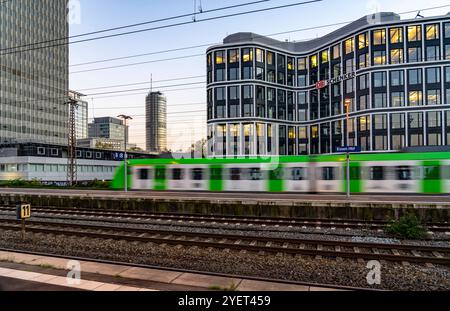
(156, 122)
(267, 97)
(34, 83)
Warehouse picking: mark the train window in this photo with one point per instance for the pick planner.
(177, 174)
(404, 173)
(377, 173)
(235, 174)
(298, 173)
(254, 174)
(160, 173)
(446, 172)
(328, 173)
(432, 172)
(197, 174)
(143, 174)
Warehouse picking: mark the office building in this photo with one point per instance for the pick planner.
(33, 82)
(156, 122)
(268, 97)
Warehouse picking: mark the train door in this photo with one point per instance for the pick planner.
(142, 177)
(329, 177)
(245, 177)
(432, 181)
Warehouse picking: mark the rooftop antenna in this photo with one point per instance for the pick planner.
(194, 18)
(419, 15)
(200, 7)
(151, 83)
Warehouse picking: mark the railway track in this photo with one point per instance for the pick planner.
(228, 242)
(139, 217)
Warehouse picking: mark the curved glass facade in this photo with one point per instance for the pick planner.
(267, 97)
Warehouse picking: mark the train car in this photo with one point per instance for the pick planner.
(422, 173)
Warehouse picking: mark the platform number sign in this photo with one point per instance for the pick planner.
(23, 211)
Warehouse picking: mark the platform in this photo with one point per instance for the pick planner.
(36, 272)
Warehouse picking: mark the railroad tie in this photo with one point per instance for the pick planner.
(416, 254)
(253, 243)
(437, 254)
(268, 244)
(302, 246)
(237, 242)
(337, 248)
(285, 245)
(375, 251)
(319, 247)
(395, 252)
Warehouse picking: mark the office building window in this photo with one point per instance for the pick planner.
(379, 100)
(380, 121)
(447, 30)
(434, 119)
(363, 41)
(396, 56)
(379, 58)
(433, 75)
(397, 121)
(233, 74)
(220, 57)
(414, 55)
(396, 35)
(397, 78)
(447, 74)
(414, 76)
(259, 56)
(324, 56)
(433, 53)
(433, 97)
(414, 33)
(379, 37)
(247, 55)
(336, 51)
(379, 79)
(363, 81)
(349, 46)
(415, 98)
(220, 75)
(233, 56)
(270, 58)
(301, 63)
(432, 32)
(363, 61)
(398, 99)
(447, 51)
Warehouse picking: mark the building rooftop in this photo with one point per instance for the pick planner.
(306, 46)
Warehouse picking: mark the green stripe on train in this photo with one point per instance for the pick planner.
(432, 182)
(160, 181)
(276, 180)
(216, 179)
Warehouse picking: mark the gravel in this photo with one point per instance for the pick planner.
(284, 267)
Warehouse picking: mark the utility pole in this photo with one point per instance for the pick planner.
(72, 144)
(347, 109)
(125, 119)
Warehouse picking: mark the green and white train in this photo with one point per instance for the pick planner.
(422, 173)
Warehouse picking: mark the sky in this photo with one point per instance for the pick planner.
(187, 99)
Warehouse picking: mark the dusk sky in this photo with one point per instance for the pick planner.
(186, 128)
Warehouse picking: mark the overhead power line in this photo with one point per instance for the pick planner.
(135, 25)
(161, 27)
(142, 89)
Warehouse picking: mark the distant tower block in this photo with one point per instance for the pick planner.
(156, 122)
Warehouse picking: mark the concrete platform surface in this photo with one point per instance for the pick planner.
(133, 274)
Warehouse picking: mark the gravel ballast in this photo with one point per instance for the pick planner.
(343, 272)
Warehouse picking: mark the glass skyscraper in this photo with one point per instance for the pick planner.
(156, 122)
(33, 80)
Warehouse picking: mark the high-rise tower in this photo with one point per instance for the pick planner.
(156, 122)
(33, 79)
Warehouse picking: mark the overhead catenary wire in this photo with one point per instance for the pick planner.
(136, 24)
(160, 27)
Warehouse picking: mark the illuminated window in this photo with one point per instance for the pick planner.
(364, 124)
(313, 61)
(336, 51)
(325, 56)
(433, 97)
(349, 46)
(290, 63)
(209, 60)
(447, 51)
(315, 131)
(270, 58)
(302, 132)
(415, 98)
(363, 60)
(301, 63)
(220, 57)
(379, 37)
(379, 58)
(233, 56)
(247, 55)
(414, 33)
(259, 56)
(291, 133)
(363, 41)
(396, 35)
(397, 56)
(432, 32)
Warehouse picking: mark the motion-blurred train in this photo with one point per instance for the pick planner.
(422, 173)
